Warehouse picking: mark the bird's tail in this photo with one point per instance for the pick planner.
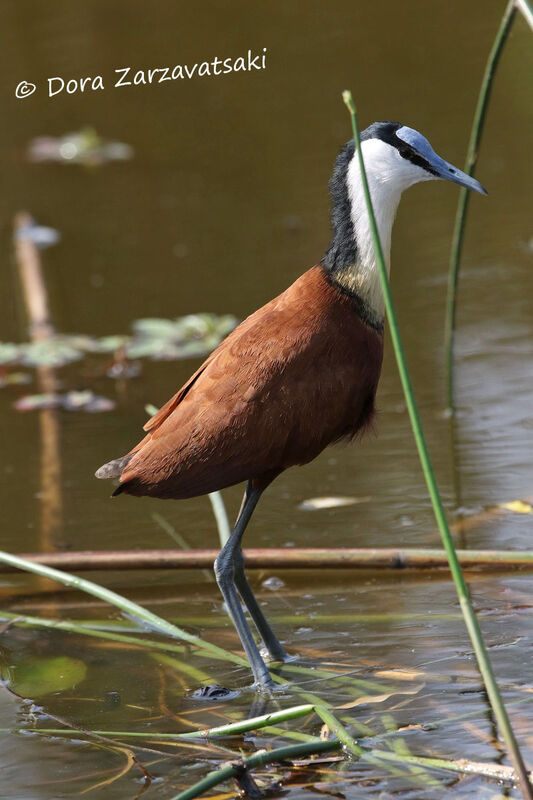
(113, 469)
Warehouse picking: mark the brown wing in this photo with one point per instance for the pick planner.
(238, 334)
(167, 409)
(296, 375)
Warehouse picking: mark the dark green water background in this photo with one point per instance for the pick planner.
(223, 205)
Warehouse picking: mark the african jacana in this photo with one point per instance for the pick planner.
(295, 376)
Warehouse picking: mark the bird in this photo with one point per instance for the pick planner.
(297, 375)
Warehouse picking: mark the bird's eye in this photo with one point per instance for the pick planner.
(451, 170)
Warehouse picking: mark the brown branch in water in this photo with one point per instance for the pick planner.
(40, 329)
(31, 279)
(279, 558)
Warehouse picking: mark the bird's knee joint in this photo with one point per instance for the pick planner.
(223, 571)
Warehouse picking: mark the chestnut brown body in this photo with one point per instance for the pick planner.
(295, 376)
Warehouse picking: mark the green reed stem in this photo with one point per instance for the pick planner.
(274, 730)
(526, 9)
(251, 724)
(494, 771)
(230, 729)
(179, 539)
(340, 731)
(221, 516)
(465, 602)
(168, 737)
(464, 196)
(126, 606)
(99, 633)
(259, 759)
(463, 766)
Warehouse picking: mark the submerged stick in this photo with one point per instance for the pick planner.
(474, 630)
(31, 279)
(279, 558)
(462, 206)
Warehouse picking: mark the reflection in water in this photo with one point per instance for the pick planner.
(40, 329)
(223, 205)
(50, 496)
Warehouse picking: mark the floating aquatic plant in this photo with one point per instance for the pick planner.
(84, 400)
(85, 147)
(15, 379)
(36, 676)
(186, 337)
(192, 336)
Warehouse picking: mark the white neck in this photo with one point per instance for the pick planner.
(388, 175)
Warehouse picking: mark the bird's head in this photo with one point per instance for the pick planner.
(395, 158)
(400, 156)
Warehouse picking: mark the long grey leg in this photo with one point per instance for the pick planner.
(272, 644)
(224, 572)
(271, 641)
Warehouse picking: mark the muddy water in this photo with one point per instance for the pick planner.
(222, 206)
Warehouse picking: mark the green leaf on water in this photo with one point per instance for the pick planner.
(15, 379)
(154, 327)
(148, 348)
(85, 147)
(71, 401)
(8, 352)
(35, 677)
(108, 344)
(54, 352)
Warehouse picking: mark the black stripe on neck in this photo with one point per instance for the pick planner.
(342, 251)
